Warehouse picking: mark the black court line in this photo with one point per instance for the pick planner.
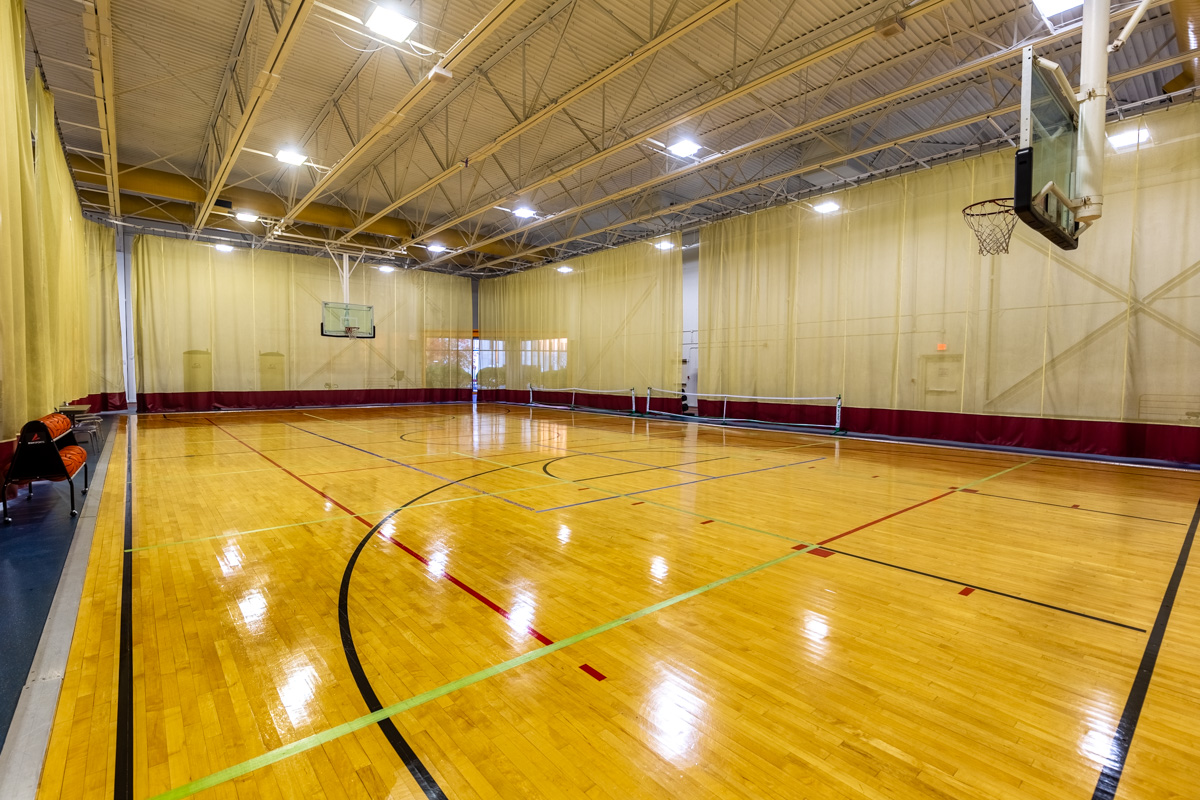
(123, 763)
(996, 592)
(1114, 766)
(1076, 508)
(403, 749)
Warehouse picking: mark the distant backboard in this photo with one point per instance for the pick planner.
(1046, 163)
(348, 320)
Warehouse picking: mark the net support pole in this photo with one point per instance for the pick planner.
(531, 394)
(724, 407)
(837, 415)
(633, 400)
(1093, 98)
(572, 398)
(648, 388)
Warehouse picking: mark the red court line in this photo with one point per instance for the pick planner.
(595, 673)
(877, 521)
(966, 590)
(477, 595)
(820, 551)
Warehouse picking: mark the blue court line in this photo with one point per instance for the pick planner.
(676, 485)
(410, 466)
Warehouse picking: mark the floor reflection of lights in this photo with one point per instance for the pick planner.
(520, 616)
(436, 567)
(816, 630)
(676, 711)
(564, 534)
(1097, 744)
(297, 692)
(659, 568)
(253, 607)
(230, 560)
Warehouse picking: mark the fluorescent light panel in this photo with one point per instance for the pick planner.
(391, 24)
(246, 216)
(1052, 7)
(685, 148)
(223, 248)
(435, 248)
(524, 212)
(291, 157)
(1129, 138)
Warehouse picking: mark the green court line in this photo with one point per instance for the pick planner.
(998, 474)
(336, 732)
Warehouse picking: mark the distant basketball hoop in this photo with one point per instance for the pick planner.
(993, 222)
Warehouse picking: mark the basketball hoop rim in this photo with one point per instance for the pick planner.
(1003, 205)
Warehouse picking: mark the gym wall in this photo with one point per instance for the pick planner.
(611, 324)
(888, 303)
(242, 330)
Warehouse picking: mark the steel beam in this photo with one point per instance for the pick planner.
(264, 86)
(98, 37)
(457, 54)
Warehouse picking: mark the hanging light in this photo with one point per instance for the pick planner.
(435, 248)
(827, 207)
(385, 268)
(391, 24)
(524, 212)
(246, 216)
(665, 244)
(685, 148)
(564, 269)
(291, 157)
(223, 248)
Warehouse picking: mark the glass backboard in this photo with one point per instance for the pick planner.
(338, 318)
(1046, 161)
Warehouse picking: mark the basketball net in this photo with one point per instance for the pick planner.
(351, 332)
(993, 222)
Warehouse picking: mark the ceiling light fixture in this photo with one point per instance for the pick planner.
(1129, 138)
(291, 157)
(1052, 7)
(246, 216)
(565, 269)
(435, 248)
(827, 207)
(524, 212)
(391, 24)
(385, 268)
(685, 148)
(665, 244)
(223, 248)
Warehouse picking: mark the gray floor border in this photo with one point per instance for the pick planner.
(24, 749)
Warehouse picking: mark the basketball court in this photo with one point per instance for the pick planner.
(684, 476)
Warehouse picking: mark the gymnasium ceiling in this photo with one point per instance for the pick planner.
(172, 112)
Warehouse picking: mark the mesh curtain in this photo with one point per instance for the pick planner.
(44, 305)
(887, 302)
(249, 321)
(105, 370)
(612, 323)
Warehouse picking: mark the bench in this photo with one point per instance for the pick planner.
(46, 451)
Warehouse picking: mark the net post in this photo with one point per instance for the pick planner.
(531, 394)
(648, 389)
(633, 401)
(572, 399)
(724, 407)
(837, 419)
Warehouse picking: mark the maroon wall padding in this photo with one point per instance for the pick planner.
(604, 402)
(1178, 443)
(217, 401)
(111, 401)
(7, 448)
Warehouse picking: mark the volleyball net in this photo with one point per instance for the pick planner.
(805, 412)
(570, 398)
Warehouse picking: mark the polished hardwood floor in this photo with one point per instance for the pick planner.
(504, 602)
